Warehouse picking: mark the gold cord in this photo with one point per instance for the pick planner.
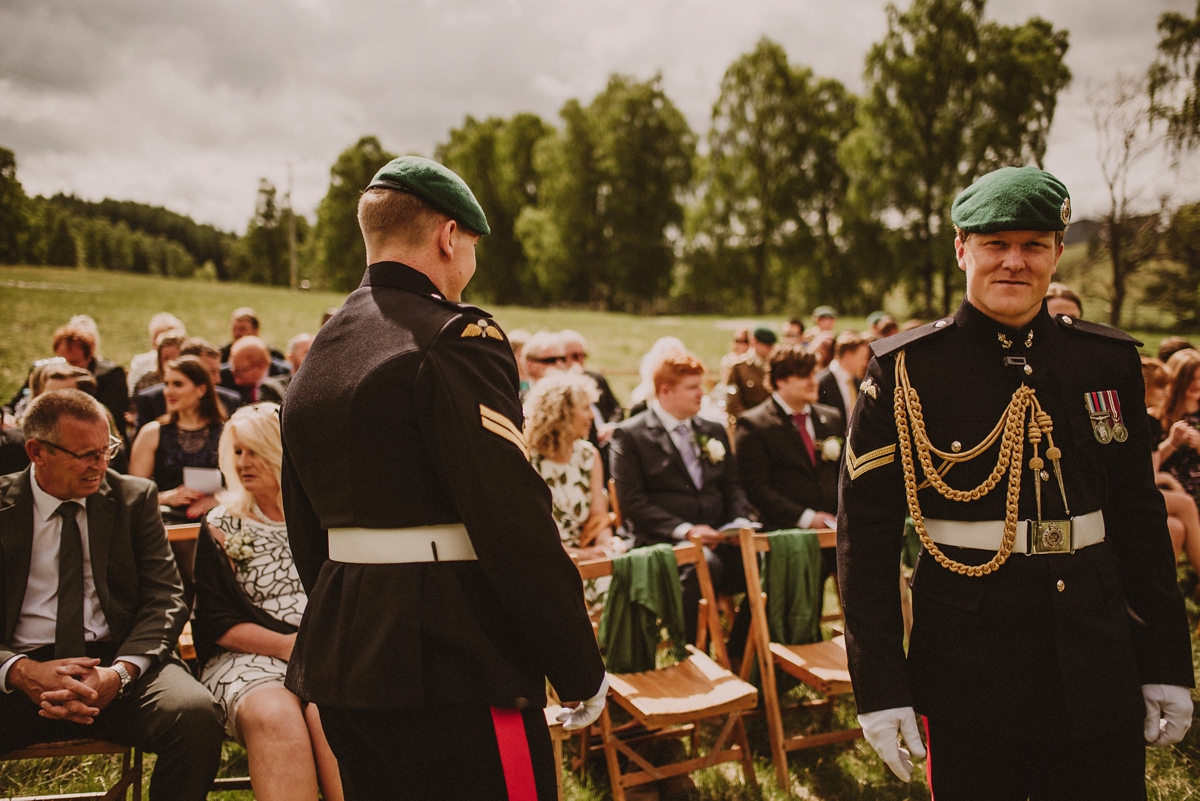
(1010, 429)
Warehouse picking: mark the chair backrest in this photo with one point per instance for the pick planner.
(753, 543)
(182, 539)
(614, 508)
(686, 553)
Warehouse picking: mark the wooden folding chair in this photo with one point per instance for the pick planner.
(131, 766)
(819, 665)
(614, 508)
(669, 702)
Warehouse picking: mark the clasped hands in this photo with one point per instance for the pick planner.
(1168, 717)
(74, 689)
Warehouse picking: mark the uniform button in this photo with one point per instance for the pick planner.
(1067, 320)
(1028, 370)
(940, 324)
(1061, 585)
(956, 446)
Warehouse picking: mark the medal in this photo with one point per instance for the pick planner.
(1099, 414)
(1119, 431)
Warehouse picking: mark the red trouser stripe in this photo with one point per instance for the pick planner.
(928, 757)
(514, 754)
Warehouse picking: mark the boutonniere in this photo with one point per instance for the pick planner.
(711, 448)
(239, 546)
(831, 449)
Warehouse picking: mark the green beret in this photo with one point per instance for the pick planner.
(765, 336)
(1013, 199)
(436, 185)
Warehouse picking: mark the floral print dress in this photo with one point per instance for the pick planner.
(570, 489)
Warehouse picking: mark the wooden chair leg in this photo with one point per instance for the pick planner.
(610, 756)
(748, 774)
(557, 744)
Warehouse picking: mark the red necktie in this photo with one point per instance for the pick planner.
(801, 421)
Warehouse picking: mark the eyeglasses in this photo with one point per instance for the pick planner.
(576, 357)
(106, 455)
(741, 342)
(549, 359)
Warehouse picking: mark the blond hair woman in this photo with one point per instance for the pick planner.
(558, 417)
(249, 602)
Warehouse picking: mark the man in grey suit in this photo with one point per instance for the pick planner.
(91, 605)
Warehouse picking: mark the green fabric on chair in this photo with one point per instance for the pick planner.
(911, 546)
(791, 578)
(643, 598)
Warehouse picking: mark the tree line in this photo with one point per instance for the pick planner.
(800, 192)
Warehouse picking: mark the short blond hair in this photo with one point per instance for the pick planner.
(390, 214)
(550, 410)
(255, 428)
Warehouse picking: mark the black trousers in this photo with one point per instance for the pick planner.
(966, 763)
(430, 754)
(167, 713)
(728, 578)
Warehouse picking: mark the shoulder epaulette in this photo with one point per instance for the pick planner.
(882, 347)
(1099, 329)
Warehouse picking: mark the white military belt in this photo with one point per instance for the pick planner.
(390, 546)
(1054, 536)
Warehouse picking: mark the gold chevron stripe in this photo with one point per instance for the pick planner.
(498, 424)
(857, 465)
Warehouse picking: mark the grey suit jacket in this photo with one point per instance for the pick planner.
(136, 579)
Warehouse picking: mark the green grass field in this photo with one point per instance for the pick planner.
(34, 301)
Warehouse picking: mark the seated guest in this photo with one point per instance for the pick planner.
(244, 323)
(676, 476)
(606, 406)
(60, 375)
(150, 402)
(643, 393)
(516, 340)
(249, 603)
(821, 346)
(1172, 345)
(558, 416)
(789, 450)
(13, 458)
(824, 319)
(1178, 417)
(882, 324)
(250, 364)
(273, 389)
(746, 387)
(76, 343)
(1183, 516)
(87, 650)
(169, 348)
(144, 363)
(737, 350)
(186, 436)
(1061, 300)
(793, 331)
(545, 351)
(838, 383)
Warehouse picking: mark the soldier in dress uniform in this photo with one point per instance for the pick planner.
(439, 596)
(1049, 640)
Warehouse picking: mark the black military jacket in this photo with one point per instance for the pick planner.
(405, 414)
(1014, 650)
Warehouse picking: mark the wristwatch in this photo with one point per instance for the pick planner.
(126, 679)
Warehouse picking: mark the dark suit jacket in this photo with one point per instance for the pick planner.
(277, 368)
(405, 414)
(273, 389)
(609, 406)
(828, 392)
(111, 389)
(747, 387)
(151, 404)
(227, 347)
(776, 472)
(654, 488)
(136, 579)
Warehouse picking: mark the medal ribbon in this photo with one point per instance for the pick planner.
(1114, 405)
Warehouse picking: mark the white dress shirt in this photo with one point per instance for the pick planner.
(39, 611)
(844, 380)
(806, 518)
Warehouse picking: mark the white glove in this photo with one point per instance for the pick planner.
(1168, 713)
(883, 730)
(586, 713)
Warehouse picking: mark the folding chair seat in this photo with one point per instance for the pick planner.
(820, 665)
(131, 766)
(669, 702)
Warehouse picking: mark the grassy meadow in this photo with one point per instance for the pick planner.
(34, 301)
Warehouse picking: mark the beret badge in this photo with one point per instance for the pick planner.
(1066, 210)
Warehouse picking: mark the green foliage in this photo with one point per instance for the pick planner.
(1176, 287)
(338, 252)
(1175, 77)
(610, 205)
(262, 255)
(495, 158)
(13, 219)
(950, 96)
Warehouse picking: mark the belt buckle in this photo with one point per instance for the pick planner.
(1051, 536)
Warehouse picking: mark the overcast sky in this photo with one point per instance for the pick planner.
(187, 104)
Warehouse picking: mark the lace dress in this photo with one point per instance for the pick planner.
(1184, 463)
(267, 576)
(179, 448)
(570, 489)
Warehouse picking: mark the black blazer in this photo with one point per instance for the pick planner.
(136, 579)
(828, 392)
(151, 404)
(405, 414)
(277, 368)
(776, 472)
(609, 406)
(656, 492)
